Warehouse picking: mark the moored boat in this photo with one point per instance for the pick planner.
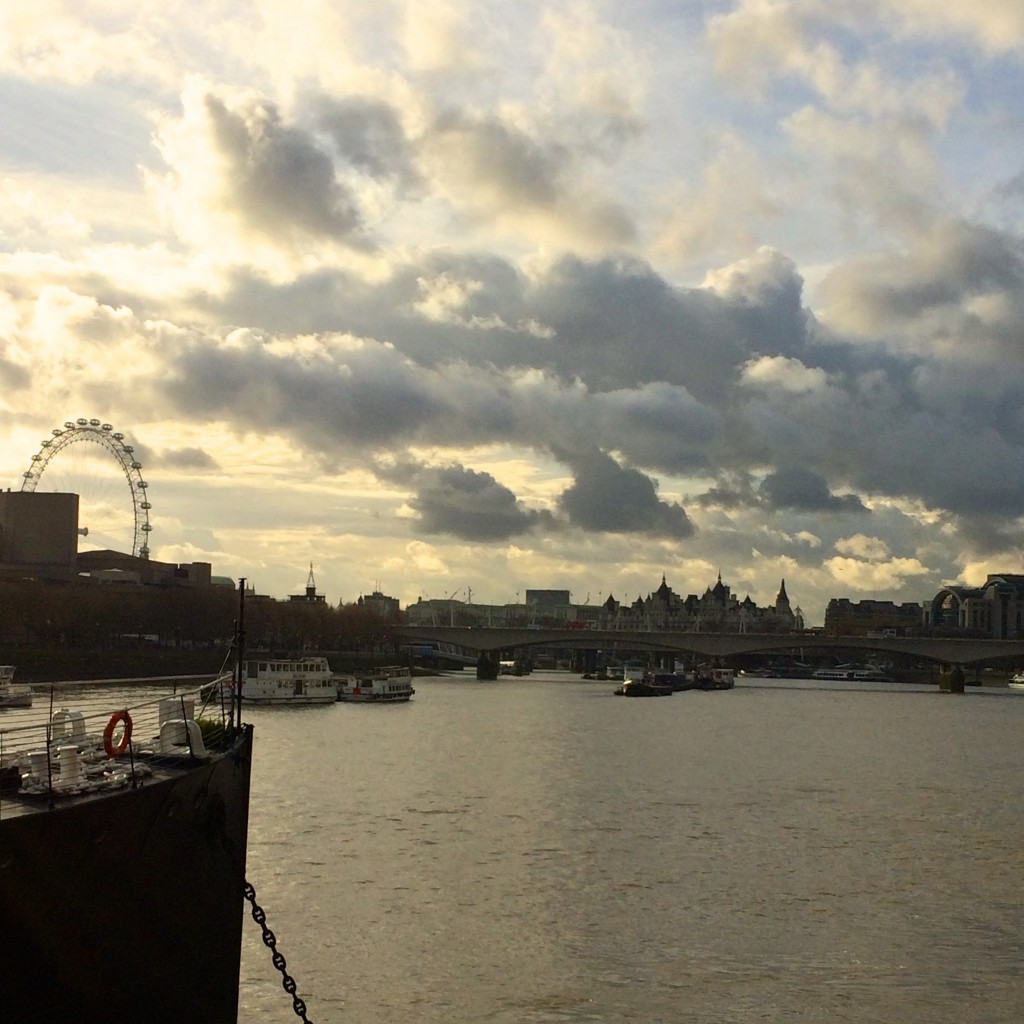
(675, 681)
(292, 681)
(851, 673)
(642, 688)
(1016, 681)
(389, 684)
(123, 825)
(715, 678)
(12, 694)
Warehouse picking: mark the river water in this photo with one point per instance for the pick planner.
(537, 851)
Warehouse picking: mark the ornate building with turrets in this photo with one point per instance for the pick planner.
(717, 610)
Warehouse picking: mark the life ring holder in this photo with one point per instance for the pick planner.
(117, 749)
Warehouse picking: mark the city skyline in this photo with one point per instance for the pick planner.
(572, 295)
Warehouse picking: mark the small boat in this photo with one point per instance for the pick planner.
(390, 684)
(1016, 681)
(642, 688)
(12, 694)
(715, 678)
(291, 681)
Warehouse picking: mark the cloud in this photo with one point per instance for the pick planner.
(494, 170)
(466, 504)
(799, 488)
(957, 282)
(854, 574)
(237, 166)
(607, 497)
(782, 374)
(369, 134)
(860, 546)
(187, 458)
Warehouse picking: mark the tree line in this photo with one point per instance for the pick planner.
(87, 616)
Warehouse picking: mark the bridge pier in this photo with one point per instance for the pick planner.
(952, 681)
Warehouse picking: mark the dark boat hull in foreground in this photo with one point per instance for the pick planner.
(128, 904)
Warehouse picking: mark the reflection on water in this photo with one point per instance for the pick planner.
(537, 850)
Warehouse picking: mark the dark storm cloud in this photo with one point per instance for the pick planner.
(277, 178)
(610, 498)
(466, 504)
(802, 489)
(368, 134)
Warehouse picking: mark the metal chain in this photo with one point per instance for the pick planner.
(287, 981)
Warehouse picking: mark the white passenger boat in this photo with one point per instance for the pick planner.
(390, 684)
(1016, 681)
(12, 694)
(294, 681)
(850, 673)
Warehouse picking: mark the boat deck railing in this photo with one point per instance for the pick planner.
(80, 738)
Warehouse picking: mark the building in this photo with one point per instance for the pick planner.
(995, 609)
(310, 596)
(106, 566)
(717, 610)
(39, 539)
(844, 617)
(38, 534)
(384, 607)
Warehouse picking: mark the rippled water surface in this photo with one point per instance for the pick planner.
(538, 850)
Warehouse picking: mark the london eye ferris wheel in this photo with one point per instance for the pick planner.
(91, 459)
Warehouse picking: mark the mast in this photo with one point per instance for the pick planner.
(240, 649)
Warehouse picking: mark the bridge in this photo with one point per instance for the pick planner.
(492, 639)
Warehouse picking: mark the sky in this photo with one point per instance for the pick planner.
(459, 298)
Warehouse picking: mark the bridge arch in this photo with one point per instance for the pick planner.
(941, 650)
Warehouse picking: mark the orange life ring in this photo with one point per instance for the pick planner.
(112, 749)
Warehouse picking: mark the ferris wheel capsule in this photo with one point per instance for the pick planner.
(82, 421)
(107, 426)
